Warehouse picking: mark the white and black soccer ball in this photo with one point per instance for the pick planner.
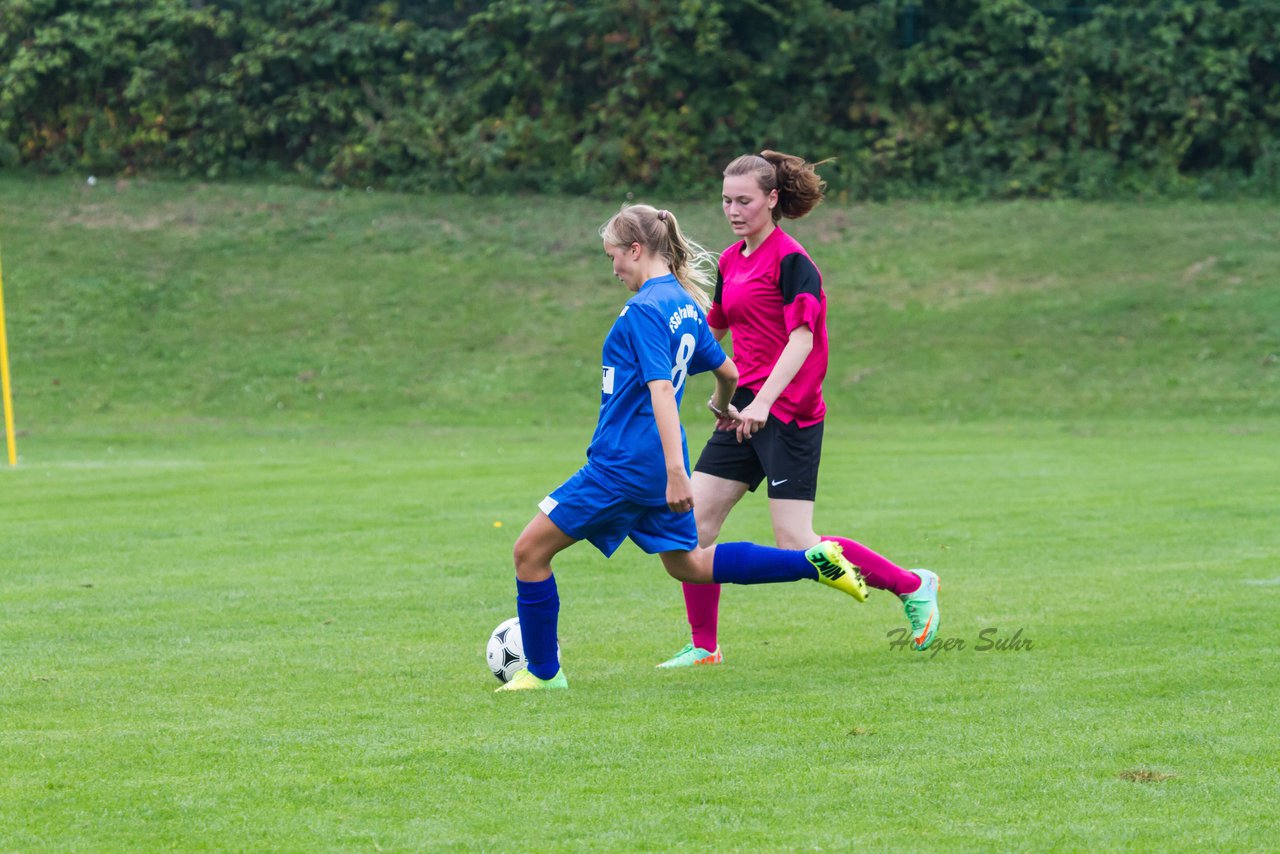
(505, 651)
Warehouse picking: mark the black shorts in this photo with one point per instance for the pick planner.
(786, 454)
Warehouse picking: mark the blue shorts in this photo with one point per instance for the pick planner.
(586, 509)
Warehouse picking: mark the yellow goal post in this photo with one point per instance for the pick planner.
(10, 440)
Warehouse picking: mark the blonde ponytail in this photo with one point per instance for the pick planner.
(659, 232)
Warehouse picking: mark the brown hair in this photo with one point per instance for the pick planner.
(797, 182)
(658, 231)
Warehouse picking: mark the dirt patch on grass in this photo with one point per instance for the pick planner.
(1145, 775)
(104, 216)
(125, 207)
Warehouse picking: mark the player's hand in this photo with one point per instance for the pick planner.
(751, 420)
(727, 420)
(679, 492)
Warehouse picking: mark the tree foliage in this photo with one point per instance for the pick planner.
(988, 97)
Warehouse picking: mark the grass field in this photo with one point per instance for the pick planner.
(273, 465)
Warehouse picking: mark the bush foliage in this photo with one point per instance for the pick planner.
(985, 97)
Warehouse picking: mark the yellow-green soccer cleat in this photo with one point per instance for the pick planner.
(691, 655)
(526, 681)
(922, 609)
(834, 571)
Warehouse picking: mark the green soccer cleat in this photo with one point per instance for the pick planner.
(922, 609)
(834, 571)
(691, 655)
(526, 681)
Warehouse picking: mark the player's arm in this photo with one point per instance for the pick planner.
(799, 346)
(667, 415)
(726, 384)
(800, 285)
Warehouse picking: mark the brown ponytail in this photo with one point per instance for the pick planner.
(799, 187)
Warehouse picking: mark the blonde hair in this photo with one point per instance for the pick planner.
(797, 182)
(657, 231)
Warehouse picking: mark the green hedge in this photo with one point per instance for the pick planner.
(985, 97)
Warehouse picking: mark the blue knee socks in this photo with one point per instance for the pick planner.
(538, 607)
(748, 563)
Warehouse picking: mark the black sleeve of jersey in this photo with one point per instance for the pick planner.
(719, 296)
(797, 275)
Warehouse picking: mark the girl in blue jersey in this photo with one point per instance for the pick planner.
(636, 481)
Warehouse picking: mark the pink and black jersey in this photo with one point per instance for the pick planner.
(761, 298)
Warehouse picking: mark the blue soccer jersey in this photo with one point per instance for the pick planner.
(661, 334)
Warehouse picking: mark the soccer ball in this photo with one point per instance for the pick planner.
(505, 651)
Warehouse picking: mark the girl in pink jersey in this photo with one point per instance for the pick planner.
(769, 295)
